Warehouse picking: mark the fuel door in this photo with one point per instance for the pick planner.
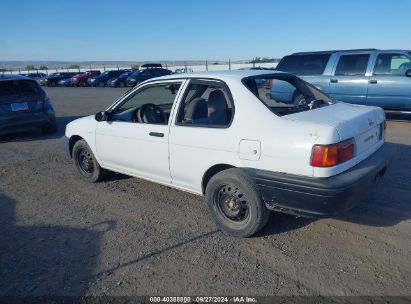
(249, 149)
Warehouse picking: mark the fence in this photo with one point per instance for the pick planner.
(213, 66)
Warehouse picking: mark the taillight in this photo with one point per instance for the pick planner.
(331, 155)
(270, 84)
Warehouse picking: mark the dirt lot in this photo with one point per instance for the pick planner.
(125, 236)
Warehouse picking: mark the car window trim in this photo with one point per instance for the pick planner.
(205, 81)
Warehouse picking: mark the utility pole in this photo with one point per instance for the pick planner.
(229, 64)
(206, 65)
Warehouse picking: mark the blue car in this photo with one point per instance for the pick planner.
(24, 105)
(120, 81)
(366, 76)
(101, 81)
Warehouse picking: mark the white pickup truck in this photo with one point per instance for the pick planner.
(222, 135)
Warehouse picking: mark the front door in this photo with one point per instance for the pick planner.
(134, 139)
(389, 87)
(349, 82)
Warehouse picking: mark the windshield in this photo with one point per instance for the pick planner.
(286, 94)
(137, 72)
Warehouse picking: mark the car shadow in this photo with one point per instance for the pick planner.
(34, 134)
(281, 223)
(387, 204)
(159, 251)
(40, 260)
(114, 176)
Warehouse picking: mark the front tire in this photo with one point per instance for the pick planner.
(86, 163)
(235, 204)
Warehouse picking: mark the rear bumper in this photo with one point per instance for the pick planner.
(321, 197)
(24, 121)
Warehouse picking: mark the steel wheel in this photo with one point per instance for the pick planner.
(84, 161)
(232, 204)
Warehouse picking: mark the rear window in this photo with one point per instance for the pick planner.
(286, 94)
(313, 64)
(16, 88)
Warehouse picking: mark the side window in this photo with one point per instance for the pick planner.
(312, 64)
(392, 64)
(150, 105)
(206, 104)
(350, 65)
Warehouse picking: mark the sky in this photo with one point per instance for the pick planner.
(139, 30)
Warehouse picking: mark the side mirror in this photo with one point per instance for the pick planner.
(101, 116)
(408, 73)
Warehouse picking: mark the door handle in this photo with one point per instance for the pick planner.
(334, 80)
(156, 134)
(373, 81)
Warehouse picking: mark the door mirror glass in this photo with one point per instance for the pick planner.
(101, 116)
(408, 73)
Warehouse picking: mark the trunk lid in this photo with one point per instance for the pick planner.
(363, 123)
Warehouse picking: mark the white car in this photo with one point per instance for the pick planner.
(220, 135)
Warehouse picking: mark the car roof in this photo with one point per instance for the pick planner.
(4, 77)
(348, 51)
(234, 74)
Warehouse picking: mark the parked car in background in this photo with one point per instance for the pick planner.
(184, 70)
(36, 76)
(80, 80)
(101, 81)
(143, 75)
(24, 105)
(120, 81)
(64, 82)
(151, 66)
(312, 160)
(367, 76)
(53, 79)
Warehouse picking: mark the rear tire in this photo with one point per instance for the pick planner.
(86, 163)
(235, 204)
(82, 84)
(101, 84)
(122, 84)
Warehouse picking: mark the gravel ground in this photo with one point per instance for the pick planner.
(125, 236)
